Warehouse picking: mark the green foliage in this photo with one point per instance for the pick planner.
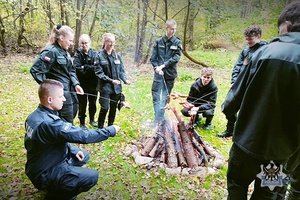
(24, 67)
(216, 23)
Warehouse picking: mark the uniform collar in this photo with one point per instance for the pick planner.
(54, 112)
(165, 38)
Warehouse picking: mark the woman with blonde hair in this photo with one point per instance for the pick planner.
(55, 62)
(110, 71)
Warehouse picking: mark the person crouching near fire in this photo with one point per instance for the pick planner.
(53, 163)
(201, 100)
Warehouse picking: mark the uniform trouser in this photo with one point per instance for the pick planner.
(242, 170)
(70, 107)
(205, 114)
(83, 100)
(161, 90)
(69, 179)
(108, 102)
(294, 167)
(230, 122)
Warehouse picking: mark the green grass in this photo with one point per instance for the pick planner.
(119, 176)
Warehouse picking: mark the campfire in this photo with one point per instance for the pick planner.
(177, 147)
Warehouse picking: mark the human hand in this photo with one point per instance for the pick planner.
(126, 104)
(117, 128)
(187, 105)
(128, 82)
(175, 95)
(159, 70)
(79, 90)
(116, 82)
(80, 156)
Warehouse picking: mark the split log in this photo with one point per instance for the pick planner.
(188, 149)
(200, 141)
(201, 151)
(163, 156)
(150, 142)
(156, 150)
(178, 147)
(172, 158)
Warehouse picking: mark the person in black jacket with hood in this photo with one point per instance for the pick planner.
(202, 99)
(266, 138)
(253, 36)
(85, 64)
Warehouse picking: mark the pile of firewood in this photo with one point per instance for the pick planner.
(174, 144)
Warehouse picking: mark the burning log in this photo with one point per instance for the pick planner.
(158, 147)
(150, 143)
(176, 136)
(172, 155)
(200, 150)
(188, 149)
(174, 144)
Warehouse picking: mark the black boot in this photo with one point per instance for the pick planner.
(227, 133)
(92, 121)
(82, 123)
(207, 125)
(229, 127)
(101, 118)
(224, 134)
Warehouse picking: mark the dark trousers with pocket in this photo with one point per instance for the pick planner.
(69, 179)
(243, 169)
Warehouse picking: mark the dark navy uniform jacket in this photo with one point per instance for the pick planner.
(166, 51)
(109, 68)
(47, 142)
(246, 53)
(55, 63)
(86, 75)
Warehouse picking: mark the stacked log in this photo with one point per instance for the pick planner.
(176, 144)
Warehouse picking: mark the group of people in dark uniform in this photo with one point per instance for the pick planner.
(53, 163)
(264, 138)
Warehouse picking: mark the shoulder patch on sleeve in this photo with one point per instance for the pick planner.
(47, 56)
(66, 126)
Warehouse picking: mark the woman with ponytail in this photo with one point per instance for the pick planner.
(55, 62)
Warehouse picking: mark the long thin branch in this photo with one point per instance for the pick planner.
(184, 41)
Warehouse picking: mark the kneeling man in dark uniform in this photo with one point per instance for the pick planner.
(53, 164)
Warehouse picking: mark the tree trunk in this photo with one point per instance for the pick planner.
(142, 33)
(137, 42)
(78, 20)
(185, 39)
(62, 12)
(190, 25)
(2, 35)
(94, 18)
(47, 8)
(166, 10)
(150, 44)
(246, 9)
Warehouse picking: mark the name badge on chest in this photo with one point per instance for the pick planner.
(117, 62)
(173, 47)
